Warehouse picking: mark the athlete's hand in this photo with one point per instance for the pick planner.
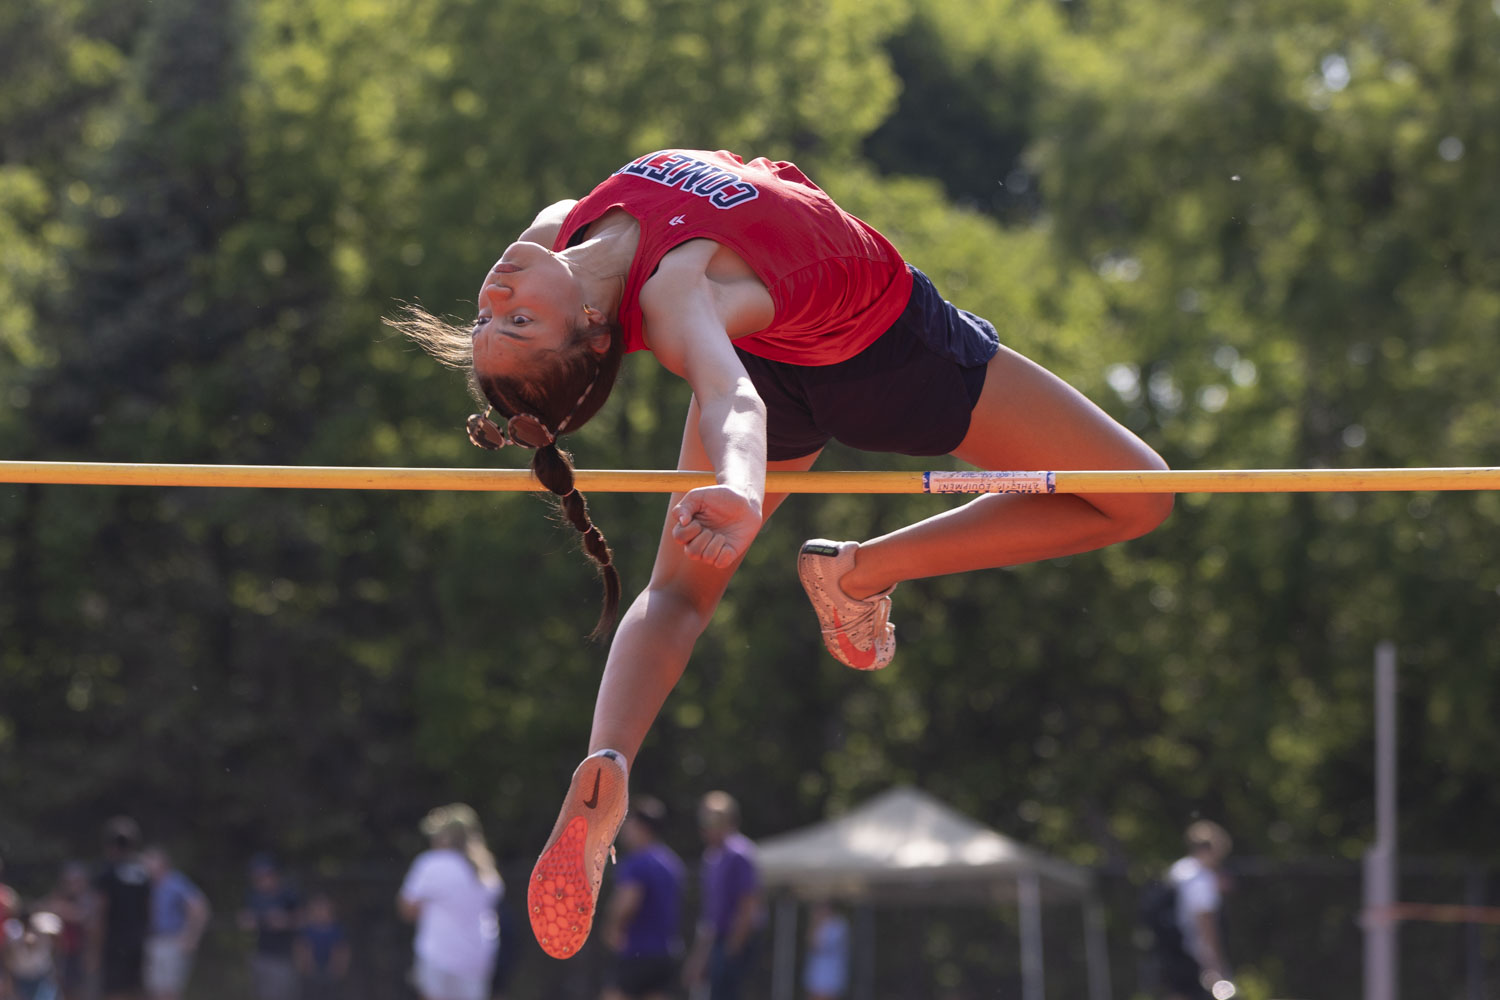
(715, 524)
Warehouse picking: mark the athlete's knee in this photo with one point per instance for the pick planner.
(689, 601)
(1150, 511)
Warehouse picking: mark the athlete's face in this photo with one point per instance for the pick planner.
(529, 303)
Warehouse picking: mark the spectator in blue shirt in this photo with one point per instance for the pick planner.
(825, 976)
(179, 913)
(322, 950)
(272, 909)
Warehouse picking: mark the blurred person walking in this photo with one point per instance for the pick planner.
(10, 900)
(642, 924)
(825, 974)
(1192, 971)
(10, 903)
(73, 901)
(323, 954)
(179, 915)
(121, 913)
(508, 952)
(28, 970)
(271, 911)
(725, 945)
(451, 893)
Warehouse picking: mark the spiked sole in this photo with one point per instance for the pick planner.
(564, 888)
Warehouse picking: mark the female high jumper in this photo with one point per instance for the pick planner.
(794, 323)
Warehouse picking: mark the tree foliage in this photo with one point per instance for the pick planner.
(1261, 235)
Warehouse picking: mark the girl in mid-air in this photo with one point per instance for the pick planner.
(794, 323)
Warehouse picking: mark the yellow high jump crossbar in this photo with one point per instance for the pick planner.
(655, 481)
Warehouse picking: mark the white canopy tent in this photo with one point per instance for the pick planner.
(906, 846)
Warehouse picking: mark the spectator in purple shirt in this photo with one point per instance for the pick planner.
(642, 925)
(733, 912)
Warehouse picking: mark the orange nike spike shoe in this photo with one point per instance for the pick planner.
(858, 633)
(564, 887)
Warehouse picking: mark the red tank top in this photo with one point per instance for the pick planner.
(836, 284)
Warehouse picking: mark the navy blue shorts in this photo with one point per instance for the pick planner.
(910, 392)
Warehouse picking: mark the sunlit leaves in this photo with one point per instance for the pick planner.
(1261, 235)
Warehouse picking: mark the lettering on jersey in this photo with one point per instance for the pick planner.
(723, 188)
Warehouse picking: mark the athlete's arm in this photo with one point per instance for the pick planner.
(687, 325)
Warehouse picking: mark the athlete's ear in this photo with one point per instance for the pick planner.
(600, 333)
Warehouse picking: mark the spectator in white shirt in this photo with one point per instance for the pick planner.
(1199, 902)
(451, 892)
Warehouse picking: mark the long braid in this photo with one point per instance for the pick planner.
(552, 468)
(565, 390)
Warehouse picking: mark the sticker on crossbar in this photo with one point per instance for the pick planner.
(989, 482)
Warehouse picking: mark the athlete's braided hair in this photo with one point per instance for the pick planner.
(554, 467)
(564, 389)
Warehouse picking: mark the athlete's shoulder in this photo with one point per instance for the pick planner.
(548, 223)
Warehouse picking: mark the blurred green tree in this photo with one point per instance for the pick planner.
(1260, 236)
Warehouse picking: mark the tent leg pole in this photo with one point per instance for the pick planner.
(1096, 949)
(864, 917)
(1029, 897)
(784, 949)
(1381, 882)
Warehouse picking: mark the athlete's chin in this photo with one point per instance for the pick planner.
(522, 254)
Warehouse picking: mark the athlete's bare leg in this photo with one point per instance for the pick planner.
(657, 633)
(1027, 419)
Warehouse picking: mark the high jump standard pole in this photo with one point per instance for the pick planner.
(1380, 922)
